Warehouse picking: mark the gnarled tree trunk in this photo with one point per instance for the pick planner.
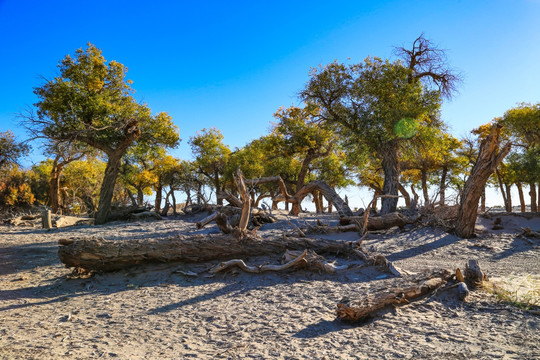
(489, 157)
(107, 187)
(390, 164)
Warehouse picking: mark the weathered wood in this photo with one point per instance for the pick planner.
(489, 157)
(207, 220)
(474, 276)
(379, 222)
(46, 221)
(400, 292)
(259, 269)
(108, 255)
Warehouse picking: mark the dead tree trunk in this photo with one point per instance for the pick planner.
(521, 197)
(401, 292)
(109, 255)
(489, 157)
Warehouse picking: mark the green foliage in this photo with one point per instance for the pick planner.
(10, 149)
(369, 99)
(523, 125)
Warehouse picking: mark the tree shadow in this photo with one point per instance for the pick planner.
(27, 256)
(425, 247)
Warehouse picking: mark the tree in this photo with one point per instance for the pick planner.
(92, 102)
(211, 156)
(379, 102)
(10, 149)
(523, 126)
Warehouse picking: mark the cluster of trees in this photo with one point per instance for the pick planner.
(376, 123)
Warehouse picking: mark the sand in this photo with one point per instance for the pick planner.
(165, 311)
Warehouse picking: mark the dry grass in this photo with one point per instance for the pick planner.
(522, 291)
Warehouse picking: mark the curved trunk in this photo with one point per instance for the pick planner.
(489, 157)
(140, 197)
(390, 164)
(107, 187)
(405, 195)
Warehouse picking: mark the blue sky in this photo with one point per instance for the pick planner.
(231, 65)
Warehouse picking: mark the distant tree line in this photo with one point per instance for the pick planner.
(375, 124)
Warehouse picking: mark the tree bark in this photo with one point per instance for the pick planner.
(109, 255)
(521, 197)
(107, 187)
(390, 164)
(442, 188)
(501, 188)
(489, 157)
(532, 193)
(405, 195)
(508, 189)
(423, 177)
(379, 222)
(159, 195)
(402, 291)
(140, 197)
(54, 187)
(483, 200)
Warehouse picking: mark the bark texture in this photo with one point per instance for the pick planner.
(109, 255)
(401, 292)
(489, 157)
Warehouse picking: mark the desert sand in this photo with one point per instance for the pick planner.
(179, 311)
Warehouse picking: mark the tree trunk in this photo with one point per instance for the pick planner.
(132, 198)
(508, 205)
(483, 200)
(415, 195)
(521, 197)
(217, 185)
(489, 157)
(329, 193)
(107, 187)
(405, 195)
(108, 255)
(174, 202)
(379, 222)
(501, 187)
(423, 177)
(159, 195)
(390, 164)
(442, 188)
(54, 187)
(140, 197)
(532, 193)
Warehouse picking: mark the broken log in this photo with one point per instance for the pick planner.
(206, 220)
(401, 292)
(109, 255)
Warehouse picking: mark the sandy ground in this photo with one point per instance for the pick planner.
(163, 312)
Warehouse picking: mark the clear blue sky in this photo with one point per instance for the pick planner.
(231, 65)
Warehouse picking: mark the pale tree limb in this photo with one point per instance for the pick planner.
(261, 268)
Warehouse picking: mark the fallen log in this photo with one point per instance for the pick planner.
(109, 255)
(379, 222)
(402, 292)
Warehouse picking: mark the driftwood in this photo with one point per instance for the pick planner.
(262, 268)
(401, 292)
(379, 222)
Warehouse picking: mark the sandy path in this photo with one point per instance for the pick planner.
(156, 312)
